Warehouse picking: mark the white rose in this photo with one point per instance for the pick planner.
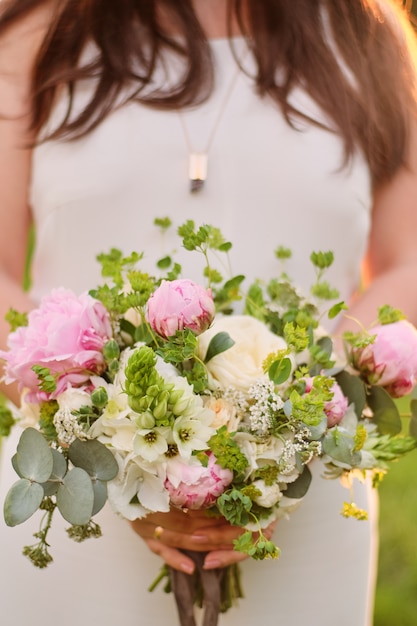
(73, 399)
(241, 365)
(224, 413)
(270, 494)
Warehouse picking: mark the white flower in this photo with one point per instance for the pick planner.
(225, 413)
(193, 433)
(73, 399)
(67, 426)
(29, 412)
(115, 426)
(270, 494)
(132, 481)
(241, 365)
(151, 444)
(259, 453)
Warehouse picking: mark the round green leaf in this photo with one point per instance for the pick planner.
(100, 495)
(59, 470)
(22, 500)
(413, 427)
(15, 466)
(317, 432)
(219, 343)
(75, 497)
(94, 458)
(299, 487)
(34, 457)
(339, 445)
(280, 370)
(385, 411)
(354, 390)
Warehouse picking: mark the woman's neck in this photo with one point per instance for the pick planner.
(212, 15)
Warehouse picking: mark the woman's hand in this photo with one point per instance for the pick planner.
(167, 533)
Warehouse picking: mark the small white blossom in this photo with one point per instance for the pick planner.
(266, 403)
(151, 444)
(67, 426)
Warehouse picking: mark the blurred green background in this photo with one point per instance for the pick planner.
(396, 593)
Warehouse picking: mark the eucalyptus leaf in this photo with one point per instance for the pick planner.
(22, 501)
(413, 406)
(93, 456)
(339, 445)
(100, 495)
(280, 370)
(385, 411)
(219, 343)
(59, 470)
(33, 457)
(75, 497)
(317, 432)
(326, 344)
(413, 427)
(15, 466)
(299, 487)
(354, 390)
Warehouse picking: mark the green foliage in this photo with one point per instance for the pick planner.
(7, 420)
(255, 302)
(385, 411)
(163, 222)
(235, 507)
(258, 549)
(47, 482)
(227, 452)
(283, 253)
(279, 370)
(300, 486)
(179, 348)
(297, 337)
(219, 343)
(322, 260)
(47, 381)
(16, 319)
(388, 315)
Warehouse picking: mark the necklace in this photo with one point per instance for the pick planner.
(198, 160)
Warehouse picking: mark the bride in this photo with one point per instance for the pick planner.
(279, 122)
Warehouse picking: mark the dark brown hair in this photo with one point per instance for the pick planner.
(366, 87)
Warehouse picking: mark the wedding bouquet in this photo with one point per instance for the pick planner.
(149, 392)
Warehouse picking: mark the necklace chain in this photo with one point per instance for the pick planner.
(198, 161)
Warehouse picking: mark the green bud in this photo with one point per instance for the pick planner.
(99, 397)
(114, 366)
(111, 350)
(160, 410)
(153, 391)
(145, 420)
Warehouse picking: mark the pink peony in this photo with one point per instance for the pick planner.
(195, 486)
(65, 334)
(391, 361)
(180, 304)
(335, 409)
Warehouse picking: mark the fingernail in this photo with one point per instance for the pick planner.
(212, 564)
(199, 538)
(187, 568)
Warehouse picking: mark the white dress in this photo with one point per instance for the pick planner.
(267, 185)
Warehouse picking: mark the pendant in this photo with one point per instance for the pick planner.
(197, 171)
